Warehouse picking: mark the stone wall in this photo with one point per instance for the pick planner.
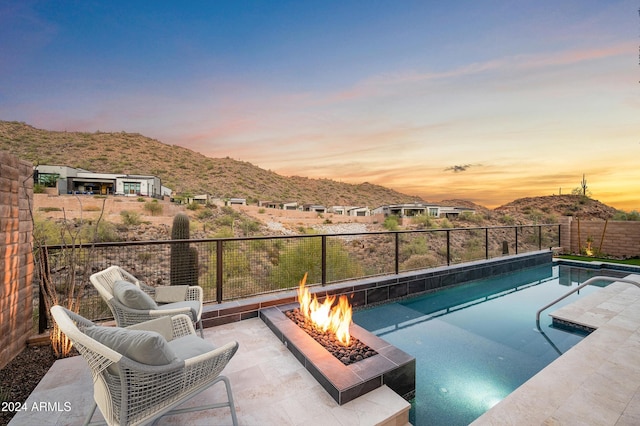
(612, 238)
(16, 257)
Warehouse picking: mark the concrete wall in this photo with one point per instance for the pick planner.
(16, 257)
(612, 238)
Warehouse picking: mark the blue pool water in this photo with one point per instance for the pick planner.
(477, 342)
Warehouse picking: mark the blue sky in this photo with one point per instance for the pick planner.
(482, 100)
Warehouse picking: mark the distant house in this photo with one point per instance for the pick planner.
(269, 204)
(418, 209)
(70, 180)
(237, 202)
(290, 205)
(314, 208)
(350, 210)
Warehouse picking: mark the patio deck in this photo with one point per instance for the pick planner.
(270, 387)
(597, 382)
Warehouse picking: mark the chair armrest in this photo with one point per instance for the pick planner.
(219, 356)
(182, 326)
(195, 292)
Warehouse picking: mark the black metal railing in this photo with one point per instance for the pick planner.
(234, 268)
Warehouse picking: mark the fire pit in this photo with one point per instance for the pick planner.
(329, 324)
(387, 365)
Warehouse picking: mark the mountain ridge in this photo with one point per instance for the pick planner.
(182, 169)
(187, 171)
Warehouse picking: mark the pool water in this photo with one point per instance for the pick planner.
(477, 342)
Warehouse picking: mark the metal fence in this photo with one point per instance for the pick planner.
(234, 268)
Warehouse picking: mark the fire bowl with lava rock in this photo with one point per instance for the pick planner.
(329, 325)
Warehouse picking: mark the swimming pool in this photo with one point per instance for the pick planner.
(477, 342)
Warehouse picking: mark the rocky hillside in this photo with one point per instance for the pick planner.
(181, 169)
(559, 205)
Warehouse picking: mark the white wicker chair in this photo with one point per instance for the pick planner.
(128, 392)
(105, 280)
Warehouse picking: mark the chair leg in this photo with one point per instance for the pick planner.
(201, 328)
(227, 384)
(87, 420)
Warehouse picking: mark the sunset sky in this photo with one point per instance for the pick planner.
(487, 101)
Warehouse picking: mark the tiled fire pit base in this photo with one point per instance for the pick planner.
(391, 366)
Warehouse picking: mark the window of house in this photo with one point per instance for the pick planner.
(131, 187)
(433, 211)
(49, 180)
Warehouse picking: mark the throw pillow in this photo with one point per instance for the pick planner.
(145, 347)
(131, 296)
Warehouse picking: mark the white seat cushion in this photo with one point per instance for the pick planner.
(186, 347)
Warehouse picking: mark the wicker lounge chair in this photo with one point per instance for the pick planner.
(132, 301)
(143, 372)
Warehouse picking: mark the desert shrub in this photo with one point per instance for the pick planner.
(130, 218)
(446, 223)
(193, 206)
(261, 211)
(46, 231)
(249, 226)
(225, 220)
(50, 209)
(622, 215)
(415, 246)
(153, 207)
(420, 261)
(305, 257)
(224, 232)
(476, 218)
(38, 188)
(391, 223)
(204, 214)
(92, 209)
(423, 221)
(105, 232)
(140, 199)
(507, 219)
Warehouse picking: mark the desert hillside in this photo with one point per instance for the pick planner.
(181, 169)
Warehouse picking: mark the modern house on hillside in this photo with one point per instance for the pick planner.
(350, 210)
(290, 205)
(420, 209)
(70, 180)
(314, 208)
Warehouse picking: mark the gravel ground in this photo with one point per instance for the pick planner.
(20, 377)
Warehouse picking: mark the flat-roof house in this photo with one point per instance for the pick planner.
(350, 210)
(237, 202)
(314, 208)
(417, 209)
(70, 180)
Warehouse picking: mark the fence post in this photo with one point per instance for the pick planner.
(219, 271)
(539, 237)
(397, 256)
(559, 238)
(324, 260)
(486, 243)
(448, 247)
(516, 228)
(42, 307)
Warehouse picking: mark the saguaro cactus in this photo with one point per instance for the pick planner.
(184, 258)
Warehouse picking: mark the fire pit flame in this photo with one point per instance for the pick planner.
(325, 316)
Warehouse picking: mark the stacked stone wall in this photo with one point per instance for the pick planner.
(16, 257)
(610, 238)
